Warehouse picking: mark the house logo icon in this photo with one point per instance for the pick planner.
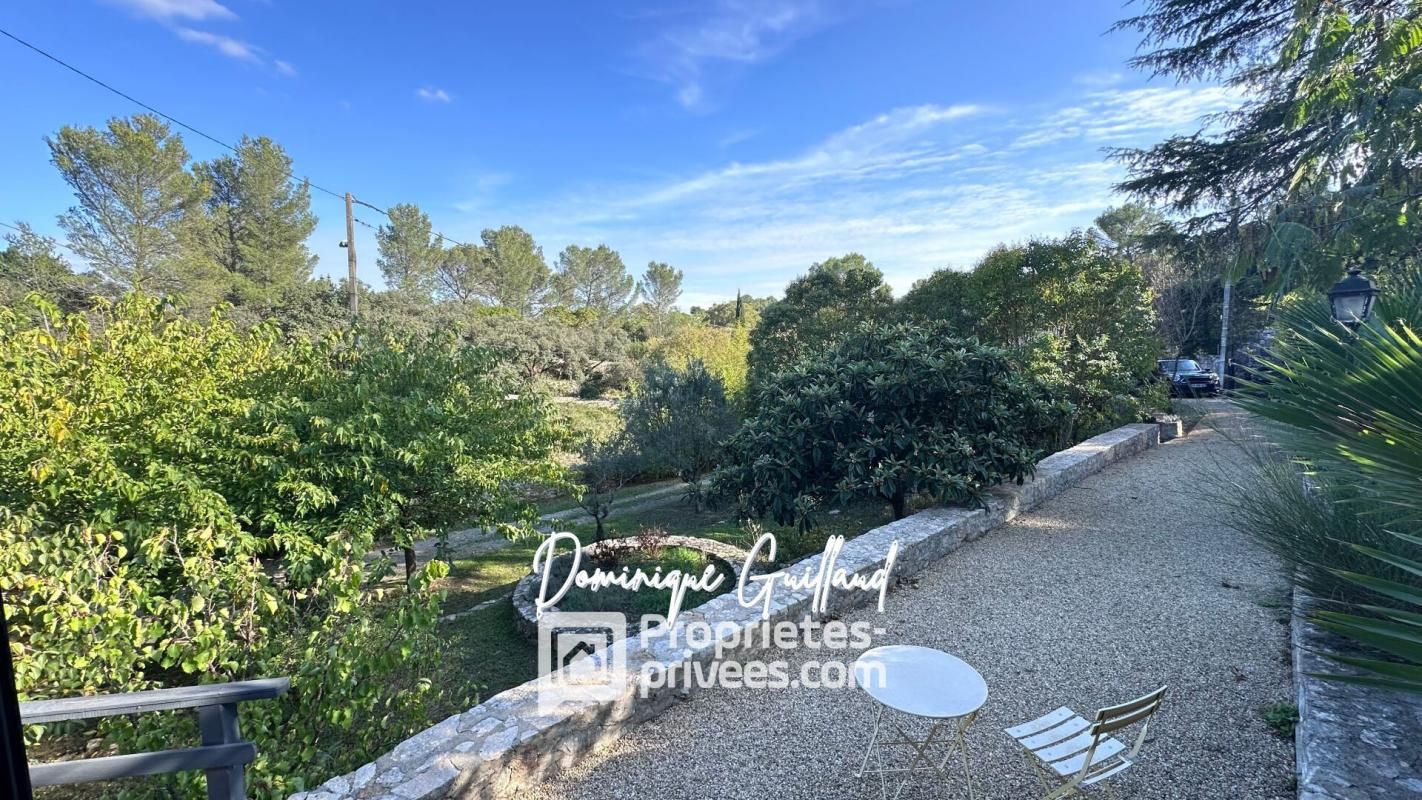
(577, 657)
(577, 651)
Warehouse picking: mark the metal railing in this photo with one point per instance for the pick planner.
(222, 753)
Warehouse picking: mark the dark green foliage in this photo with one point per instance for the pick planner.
(32, 263)
(594, 279)
(139, 218)
(518, 276)
(732, 312)
(678, 421)
(410, 253)
(948, 296)
(1322, 160)
(552, 346)
(889, 412)
(1282, 717)
(258, 223)
(659, 289)
(1080, 315)
(833, 298)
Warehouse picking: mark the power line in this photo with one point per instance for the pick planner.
(289, 174)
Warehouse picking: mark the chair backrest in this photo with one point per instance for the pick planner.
(1139, 710)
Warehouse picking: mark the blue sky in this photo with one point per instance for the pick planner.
(739, 140)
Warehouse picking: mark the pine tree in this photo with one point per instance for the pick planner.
(139, 218)
(594, 278)
(519, 277)
(660, 288)
(409, 251)
(259, 220)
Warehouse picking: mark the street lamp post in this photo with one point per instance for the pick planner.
(1351, 299)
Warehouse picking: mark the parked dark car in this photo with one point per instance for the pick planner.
(1188, 378)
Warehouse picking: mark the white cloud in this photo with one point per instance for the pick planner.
(1098, 78)
(226, 45)
(726, 32)
(915, 189)
(1112, 116)
(167, 10)
(173, 13)
(433, 95)
(736, 137)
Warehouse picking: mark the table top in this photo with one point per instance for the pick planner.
(920, 681)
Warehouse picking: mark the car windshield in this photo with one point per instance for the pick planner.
(1180, 365)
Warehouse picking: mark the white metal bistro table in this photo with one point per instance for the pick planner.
(921, 682)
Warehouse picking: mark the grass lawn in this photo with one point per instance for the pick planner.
(483, 655)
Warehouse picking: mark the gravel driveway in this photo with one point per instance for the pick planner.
(1114, 587)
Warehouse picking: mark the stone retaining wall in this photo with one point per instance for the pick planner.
(1352, 742)
(510, 741)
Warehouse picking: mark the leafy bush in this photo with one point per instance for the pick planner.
(1103, 387)
(551, 344)
(604, 379)
(182, 502)
(889, 412)
(1081, 315)
(678, 421)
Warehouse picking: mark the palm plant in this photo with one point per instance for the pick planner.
(1345, 405)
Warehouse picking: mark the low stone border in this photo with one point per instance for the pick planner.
(1171, 426)
(505, 744)
(1352, 742)
(525, 593)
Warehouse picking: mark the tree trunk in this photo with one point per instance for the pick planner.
(900, 504)
(598, 519)
(409, 563)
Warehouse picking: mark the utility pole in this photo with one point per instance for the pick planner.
(1224, 329)
(353, 286)
(1228, 291)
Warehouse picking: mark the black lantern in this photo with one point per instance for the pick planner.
(1351, 299)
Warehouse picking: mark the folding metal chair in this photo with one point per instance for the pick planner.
(1070, 752)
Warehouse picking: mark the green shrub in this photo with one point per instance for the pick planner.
(182, 502)
(723, 350)
(836, 296)
(889, 412)
(1080, 315)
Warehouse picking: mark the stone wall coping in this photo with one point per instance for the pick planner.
(505, 744)
(1352, 742)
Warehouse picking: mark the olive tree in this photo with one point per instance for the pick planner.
(679, 421)
(606, 467)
